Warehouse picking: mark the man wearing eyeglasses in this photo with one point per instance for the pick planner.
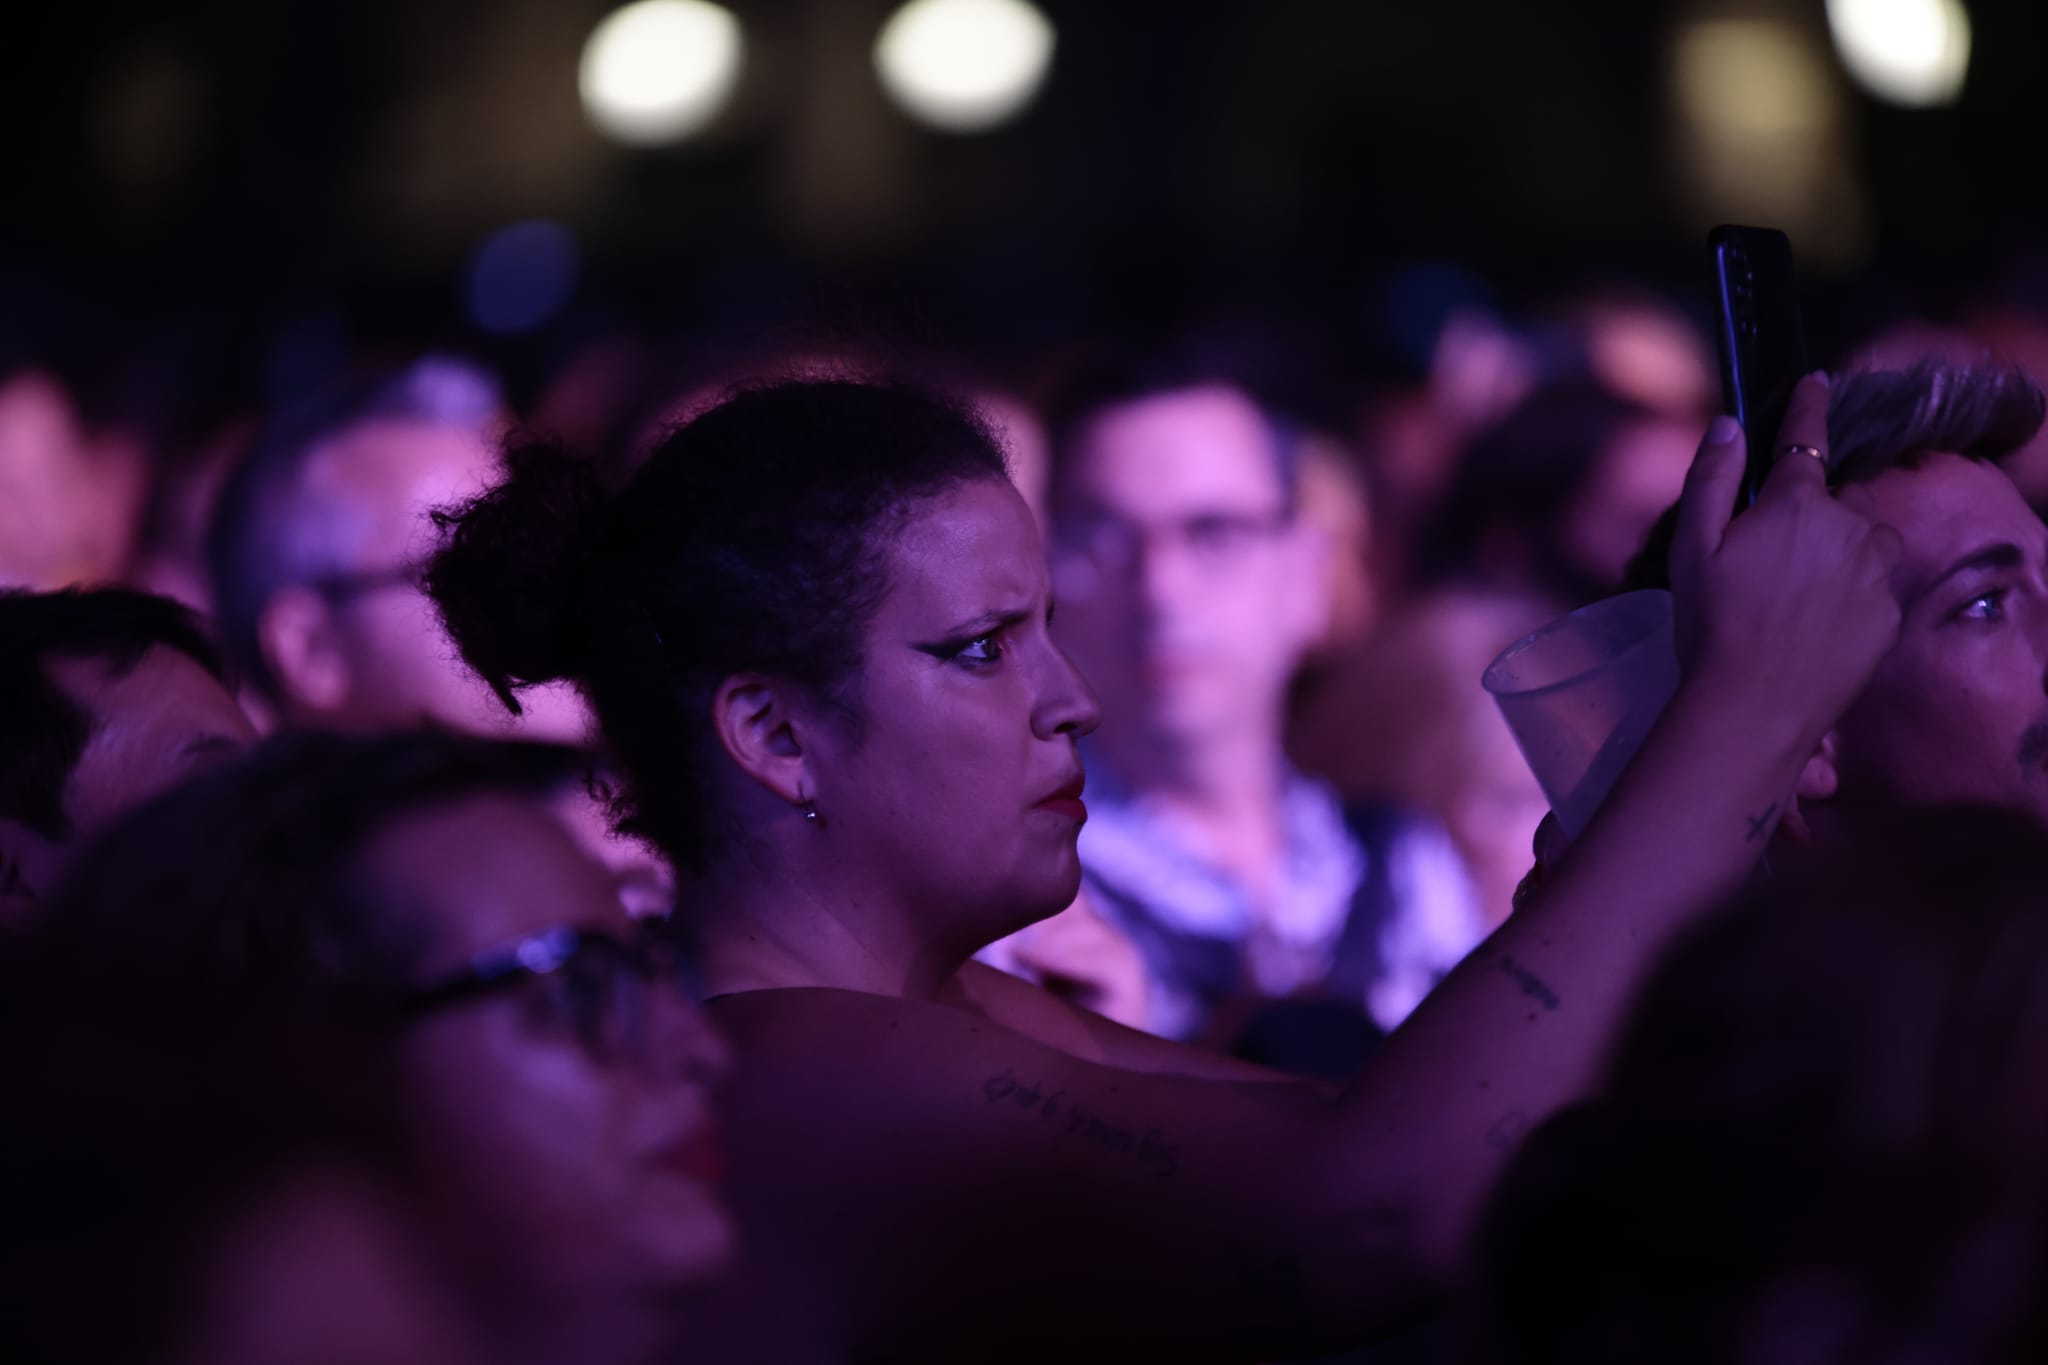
(1189, 591)
(317, 545)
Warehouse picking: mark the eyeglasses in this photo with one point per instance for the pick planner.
(599, 987)
(1214, 542)
(344, 586)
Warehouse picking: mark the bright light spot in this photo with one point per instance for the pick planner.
(659, 70)
(1762, 132)
(964, 65)
(1912, 52)
(521, 276)
(1751, 77)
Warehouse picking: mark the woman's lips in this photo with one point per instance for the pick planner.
(699, 1157)
(1066, 800)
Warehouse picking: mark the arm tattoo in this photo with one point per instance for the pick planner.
(1532, 985)
(1760, 825)
(1071, 1122)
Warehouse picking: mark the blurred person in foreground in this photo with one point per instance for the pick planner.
(816, 628)
(1823, 1138)
(175, 1196)
(413, 898)
(317, 544)
(1190, 591)
(107, 696)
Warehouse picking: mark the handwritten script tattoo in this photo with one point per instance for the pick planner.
(1760, 825)
(1070, 1121)
(1532, 985)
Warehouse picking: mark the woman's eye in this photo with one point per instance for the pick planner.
(985, 649)
(1986, 606)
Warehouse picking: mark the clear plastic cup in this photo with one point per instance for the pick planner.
(1581, 694)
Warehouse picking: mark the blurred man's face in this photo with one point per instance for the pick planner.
(163, 720)
(385, 478)
(1188, 591)
(1957, 711)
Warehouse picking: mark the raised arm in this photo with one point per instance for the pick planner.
(1783, 613)
(917, 1182)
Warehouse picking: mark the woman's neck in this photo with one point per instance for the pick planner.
(766, 933)
(548, 1330)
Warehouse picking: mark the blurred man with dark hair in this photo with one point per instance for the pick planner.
(1190, 590)
(106, 697)
(316, 547)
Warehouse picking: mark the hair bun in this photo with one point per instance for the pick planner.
(512, 578)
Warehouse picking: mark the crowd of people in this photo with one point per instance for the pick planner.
(825, 860)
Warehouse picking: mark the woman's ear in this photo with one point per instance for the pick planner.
(1818, 782)
(762, 725)
(296, 633)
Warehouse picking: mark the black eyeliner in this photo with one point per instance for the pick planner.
(980, 630)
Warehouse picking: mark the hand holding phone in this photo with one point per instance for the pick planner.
(1760, 338)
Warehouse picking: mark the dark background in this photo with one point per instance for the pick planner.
(188, 175)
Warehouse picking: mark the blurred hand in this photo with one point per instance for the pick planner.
(1792, 601)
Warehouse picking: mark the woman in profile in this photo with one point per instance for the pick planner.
(815, 628)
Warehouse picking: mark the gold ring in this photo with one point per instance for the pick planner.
(1814, 451)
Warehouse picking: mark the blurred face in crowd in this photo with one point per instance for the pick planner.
(161, 721)
(367, 649)
(1958, 710)
(563, 1119)
(70, 496)
(959, 789)
(1641, 473)
(1189, 590)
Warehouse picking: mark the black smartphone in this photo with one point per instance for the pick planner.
(1762, 342)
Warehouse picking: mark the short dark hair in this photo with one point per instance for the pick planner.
(238, 895)
(260, 539)
(1112, 376)
(1890, 419)
(43, 731)
(137, 1143)
(753, 538)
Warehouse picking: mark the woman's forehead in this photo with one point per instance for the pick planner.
(960, 550)
(492, 869)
